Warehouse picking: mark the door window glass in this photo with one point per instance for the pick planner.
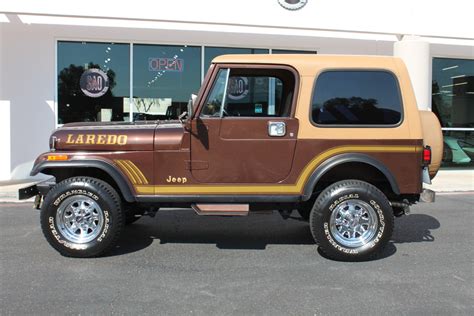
(212, 106)
(251, 93)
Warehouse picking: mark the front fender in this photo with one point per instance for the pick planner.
(108, 168)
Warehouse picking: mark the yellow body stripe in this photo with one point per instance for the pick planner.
(138, 172)
(132, 171)
(134, 174)
(125, 169)
(296, 188)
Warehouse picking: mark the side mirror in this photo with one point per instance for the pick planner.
(191, 102)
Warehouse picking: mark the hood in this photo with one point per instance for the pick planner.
(109, 136)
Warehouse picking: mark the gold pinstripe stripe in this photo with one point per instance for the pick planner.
(132, 171)
(138, 172)
(125, 168)
(296, 188)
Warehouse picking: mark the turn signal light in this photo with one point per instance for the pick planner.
(427, 155)
(56, 157)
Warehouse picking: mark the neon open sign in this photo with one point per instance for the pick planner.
(165, 64)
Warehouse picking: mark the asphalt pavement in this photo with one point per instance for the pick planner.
(181, 264)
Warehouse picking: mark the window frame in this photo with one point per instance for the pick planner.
(218, 67)
(400, 96)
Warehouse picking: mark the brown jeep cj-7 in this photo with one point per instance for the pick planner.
(338, 138)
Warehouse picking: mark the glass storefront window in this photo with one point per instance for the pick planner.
(458, 148)
(289, 51)
(164, 77)
(93, 81)
(453, 103)
(211, 52)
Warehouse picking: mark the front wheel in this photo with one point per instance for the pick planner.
(82, 217)
(351, 220)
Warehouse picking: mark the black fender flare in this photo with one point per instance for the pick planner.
(335, 161)
(102, 165)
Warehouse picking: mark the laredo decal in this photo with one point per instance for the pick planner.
(96, 139)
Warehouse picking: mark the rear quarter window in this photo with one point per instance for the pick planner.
(356, 98)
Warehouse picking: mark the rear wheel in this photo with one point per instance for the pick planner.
(82, 217)
(351, 220)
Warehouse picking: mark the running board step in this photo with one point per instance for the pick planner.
(221, 209)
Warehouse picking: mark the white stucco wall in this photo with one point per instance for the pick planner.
(28, 63)
(421, 17)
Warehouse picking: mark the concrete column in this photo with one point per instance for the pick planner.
(415, 52)
(5, 139)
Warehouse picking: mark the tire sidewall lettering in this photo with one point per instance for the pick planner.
(380, 220)
(75, 192)
(53, 228)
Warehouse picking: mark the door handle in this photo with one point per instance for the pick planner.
(276, 129)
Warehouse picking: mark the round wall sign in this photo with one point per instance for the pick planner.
(94, 83)
(292, 4)
(238, 88)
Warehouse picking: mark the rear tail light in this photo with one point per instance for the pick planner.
(426, 155)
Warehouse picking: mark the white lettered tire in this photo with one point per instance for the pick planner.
(351, 220)
(82, 217)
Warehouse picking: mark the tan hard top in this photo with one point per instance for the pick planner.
(308, 64)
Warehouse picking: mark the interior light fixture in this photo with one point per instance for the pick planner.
(452, 67)
(460, 76)
(454, 84)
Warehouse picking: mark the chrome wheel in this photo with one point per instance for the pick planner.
(80, 219)
(353, 223)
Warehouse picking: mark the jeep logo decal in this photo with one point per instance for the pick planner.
(172, 179)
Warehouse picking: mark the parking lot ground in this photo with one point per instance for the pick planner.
(181, 264)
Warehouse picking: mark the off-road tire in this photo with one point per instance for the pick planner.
(82, 196)
(351, 197)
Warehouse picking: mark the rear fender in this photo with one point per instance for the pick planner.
(335, 161)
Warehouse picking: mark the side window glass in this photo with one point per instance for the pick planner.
(356, 98)
(251, 93)
(212, 106)
(254, 96)
(259, 93)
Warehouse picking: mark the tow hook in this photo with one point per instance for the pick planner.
(400, 207)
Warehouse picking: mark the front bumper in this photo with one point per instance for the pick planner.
(40, 188)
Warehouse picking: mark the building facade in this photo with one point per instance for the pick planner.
(89, 61)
